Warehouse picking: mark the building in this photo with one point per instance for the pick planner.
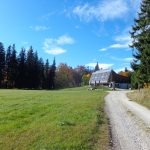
(107, 77)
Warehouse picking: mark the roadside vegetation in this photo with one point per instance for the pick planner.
(142, 97)
(140, 34)
(70, 119)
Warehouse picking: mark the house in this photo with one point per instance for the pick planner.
(107, 77)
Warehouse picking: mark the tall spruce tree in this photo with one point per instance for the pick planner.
(2, 63)
(22, 69)
(46, 75)
(36, 79)
(13, 67)
(41, 73)
(141, 44)
(30, 68)
(96, 67)
(52, 74)
(8, 66)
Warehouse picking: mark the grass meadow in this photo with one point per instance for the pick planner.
(70, 119)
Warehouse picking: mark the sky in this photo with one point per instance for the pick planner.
(75, 32)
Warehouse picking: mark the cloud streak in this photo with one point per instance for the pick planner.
(39, 28)
(54, 46)
(55, 51)
(103, 11)
(120, 42)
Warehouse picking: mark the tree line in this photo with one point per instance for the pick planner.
(140, 35)
(27, 71)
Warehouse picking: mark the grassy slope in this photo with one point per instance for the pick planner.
(141, 97)
(71, 119)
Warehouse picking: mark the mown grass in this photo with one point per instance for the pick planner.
(70, 119)
(142, 97)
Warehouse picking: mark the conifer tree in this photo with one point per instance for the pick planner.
(52, 74)
(41, 73)
(22, 69)
(13, 67)
(46, 75)
(2, 62)
(96, 67)
(30, 68)
(36, 79)
(8, 66)
(141, 44)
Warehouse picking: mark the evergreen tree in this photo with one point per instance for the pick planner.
(141, 44)
(8, 66)
(52, 74)
(46, 75)
(13, 67)
(30, 68)
(36, 80)
(2, 63)
(22, 69)
(96, 67)
(41, 73)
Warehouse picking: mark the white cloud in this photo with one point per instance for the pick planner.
(118, 45)
(85, 12)
(129, 59)
(123, 41)
(54, 46)
(113, 9)
(62, 40)
(39, 28)
(103, 49)
(55, 51)
(105, 10)
(104, 66)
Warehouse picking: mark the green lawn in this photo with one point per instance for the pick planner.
(70, 119)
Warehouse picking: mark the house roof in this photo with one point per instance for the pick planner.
(105, 76)
(100, 76)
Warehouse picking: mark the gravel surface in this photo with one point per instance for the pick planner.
(129, 122)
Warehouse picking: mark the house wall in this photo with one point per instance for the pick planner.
(123, 85)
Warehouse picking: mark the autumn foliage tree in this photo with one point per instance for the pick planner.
(125, 73)
(64, 76)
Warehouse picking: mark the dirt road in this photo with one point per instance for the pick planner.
(129, 122)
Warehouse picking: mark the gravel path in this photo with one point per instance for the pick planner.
(129, 122)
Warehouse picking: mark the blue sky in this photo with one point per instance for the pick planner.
(76, 32)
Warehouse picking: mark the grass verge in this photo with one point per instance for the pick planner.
(70, 119)
(142, 97)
